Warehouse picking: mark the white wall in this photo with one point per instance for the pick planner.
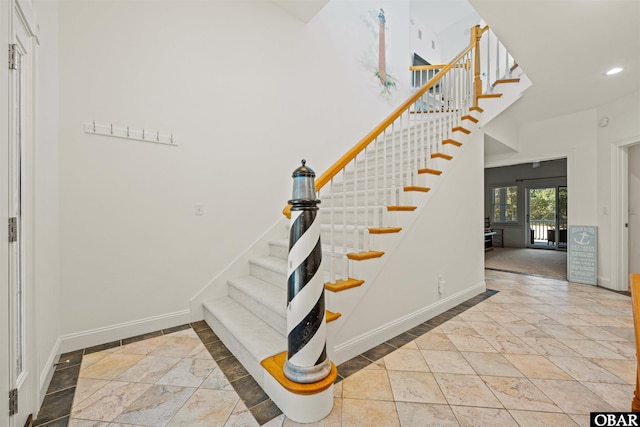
(424, 47)
(634, 209)
(247, 91)
(47, 219)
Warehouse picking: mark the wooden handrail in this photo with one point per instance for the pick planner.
(433, 67)
(357, 149)
(371, 136)
(634, 286)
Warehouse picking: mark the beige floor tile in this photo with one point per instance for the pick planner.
(542, 419)
(425, 414)
(623, 369)
(509, 344)
(188, 373)
(448, 362)
(491, 364)
(148, 370)
(108, 402)
(85, 387)
(419, 387)
(466, 390)
(583, 369)
(143, 347)
(367, 413)
(241, 417)
(536, 366)
(110, 366)
(549, 347)
(90, 359)
(591, 349)
(434, 341)
(619, 396)
(483, 417)
(572, 397)
(216, 381)
(377, 365)
(519, 393)
(474, 315)
(199, 352)
(156, 406)
(457, 327)
(411, 345)
(367, 384)
(491, 329)
(471, 343)
(524, 329)
(596, 333)
(176, 347)
(625, 349)
(406, 360)
(205, 407)
(581, 420)
(87, 423)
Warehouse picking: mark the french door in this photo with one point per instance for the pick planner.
(22, 376)
(547, 217)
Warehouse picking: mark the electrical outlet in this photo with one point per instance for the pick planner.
(199, 210)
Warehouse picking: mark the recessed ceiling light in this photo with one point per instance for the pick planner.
(614, 70)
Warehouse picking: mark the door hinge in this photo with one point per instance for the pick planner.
(13, 401)
(13, 56)
(13, 229)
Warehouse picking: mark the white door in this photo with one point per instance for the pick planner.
(22, 376)
(634, 208)
(5, 19)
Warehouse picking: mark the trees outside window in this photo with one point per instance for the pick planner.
(505, 204)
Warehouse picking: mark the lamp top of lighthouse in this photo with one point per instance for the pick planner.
(304, 183)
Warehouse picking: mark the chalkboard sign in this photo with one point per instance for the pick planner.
(583, 254)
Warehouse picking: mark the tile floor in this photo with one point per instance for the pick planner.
(539, 352)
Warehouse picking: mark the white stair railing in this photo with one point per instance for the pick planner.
(375, 176)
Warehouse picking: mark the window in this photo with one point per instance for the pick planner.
(505, 204)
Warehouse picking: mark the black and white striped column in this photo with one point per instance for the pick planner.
(306, 324)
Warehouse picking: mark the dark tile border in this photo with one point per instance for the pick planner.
(56, 407)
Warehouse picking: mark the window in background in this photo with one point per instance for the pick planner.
(505, 204)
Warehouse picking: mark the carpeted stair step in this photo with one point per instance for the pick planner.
(263, 299)
(249, 338)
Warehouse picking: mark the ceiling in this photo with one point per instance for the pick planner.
(565, 47)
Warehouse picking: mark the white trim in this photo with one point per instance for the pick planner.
(364, 342)
(619, 214)
(92, 337)
(47, 371)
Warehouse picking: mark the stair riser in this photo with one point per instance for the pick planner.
(278, 251)
(267, 314)
(269, 276)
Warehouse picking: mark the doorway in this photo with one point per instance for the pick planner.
(634, 208)
(546, 216)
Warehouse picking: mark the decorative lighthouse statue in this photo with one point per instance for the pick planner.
(307, 360)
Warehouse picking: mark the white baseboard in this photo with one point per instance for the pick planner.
(346, 350)
(84, 339)
(47, 371)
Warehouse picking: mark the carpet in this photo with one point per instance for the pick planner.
(540, 262)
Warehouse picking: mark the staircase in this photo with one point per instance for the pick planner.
(374, 220)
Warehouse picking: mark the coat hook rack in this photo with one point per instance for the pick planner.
(129, 133)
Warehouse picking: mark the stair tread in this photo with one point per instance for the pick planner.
(260, 339)
(277, 265)
(263, 292)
